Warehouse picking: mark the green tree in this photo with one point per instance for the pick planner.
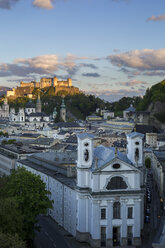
(11, 220)
(31, 195)
(11, 241)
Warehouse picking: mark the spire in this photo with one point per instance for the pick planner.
(38, 99)
(63, 111)
(38, 104)
(63, 103)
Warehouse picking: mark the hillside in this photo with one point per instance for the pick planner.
(81, 105)
(154, 101)
(78, 105)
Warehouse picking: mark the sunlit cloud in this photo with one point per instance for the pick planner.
(156, 18)
(46, 64)
(147, 59)
(45, 4)
(133, 83)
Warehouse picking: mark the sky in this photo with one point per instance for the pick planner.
(110, 48)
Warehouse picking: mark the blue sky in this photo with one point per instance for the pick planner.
(110, 48)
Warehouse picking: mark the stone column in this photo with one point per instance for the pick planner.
(109, 223)
(124, 222)
(137, 224)
(95, 224)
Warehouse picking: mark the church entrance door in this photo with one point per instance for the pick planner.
(116, 236)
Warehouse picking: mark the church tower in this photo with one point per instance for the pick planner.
(135, 148)
(38, 104)
(54, 113)
(85, 158)
(5, 108)
(63, 111)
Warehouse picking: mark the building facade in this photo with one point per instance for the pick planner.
(104, 204)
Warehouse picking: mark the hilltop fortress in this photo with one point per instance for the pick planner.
(26, 89)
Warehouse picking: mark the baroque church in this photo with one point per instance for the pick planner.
(104, 203)
(109, 192)
(32, 115)
(4, 110)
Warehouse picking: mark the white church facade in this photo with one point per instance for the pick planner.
(104, 204)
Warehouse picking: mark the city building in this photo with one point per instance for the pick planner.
(108, 115)
(151, 139)
(10, 153)
(127, 111)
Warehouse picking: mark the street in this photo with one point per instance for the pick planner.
(152, 228)
(49, 235)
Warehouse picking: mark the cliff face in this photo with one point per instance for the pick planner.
(157, 116)
(70, 90)
(154, 101)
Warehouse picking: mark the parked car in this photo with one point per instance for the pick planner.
(147, 219)
(147, 212)
(148, 199)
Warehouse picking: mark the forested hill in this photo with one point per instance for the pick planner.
(154, 101)
(81, 105)
(155, 94)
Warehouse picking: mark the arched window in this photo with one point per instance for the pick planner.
(116, 210)
(137, 154)
(86, 155)
(116, 183)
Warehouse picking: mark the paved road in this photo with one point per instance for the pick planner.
(49, 235)
(151, 229)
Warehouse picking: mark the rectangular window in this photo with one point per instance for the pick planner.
(130, 212)
(116, 210)
(103, 213)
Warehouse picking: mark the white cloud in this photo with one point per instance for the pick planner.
(156, 18)
(45, 4)
(146, 59)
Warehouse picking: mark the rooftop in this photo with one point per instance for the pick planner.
(135, 134)
(103, 155)
(70, 182)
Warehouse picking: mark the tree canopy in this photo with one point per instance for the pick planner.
(23, 196)
(32, 197)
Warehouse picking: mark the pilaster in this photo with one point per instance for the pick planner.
(109, 233)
